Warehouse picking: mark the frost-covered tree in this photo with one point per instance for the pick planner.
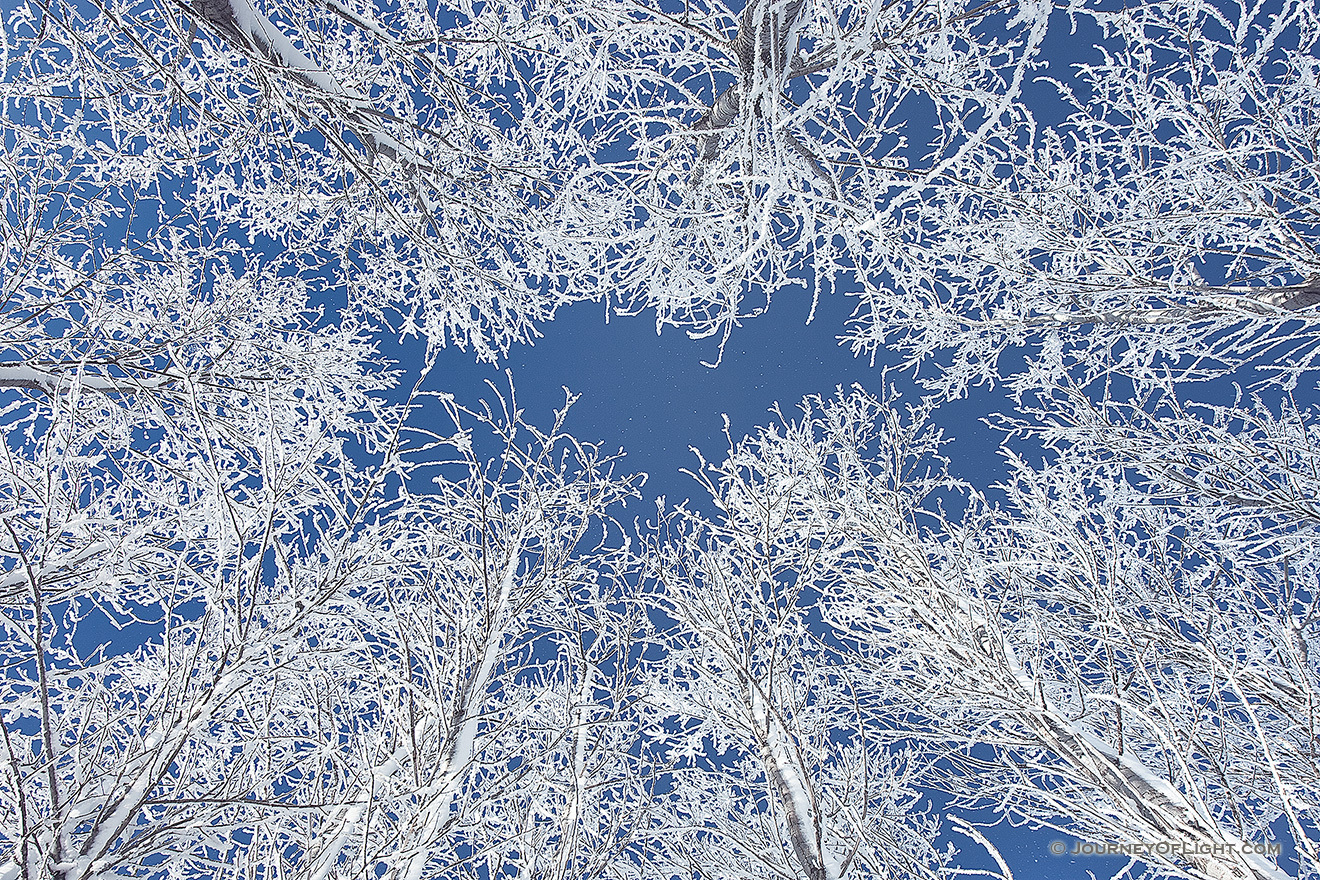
(216, 585)
(1169, 222)
(169, 526)
(779, 762)
(1085, 657)
(493, 648)
(148, 123)
(230, 645)
(1136, 673)
(467, 170)
(1244, 461)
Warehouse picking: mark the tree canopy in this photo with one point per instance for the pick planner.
(272, 604)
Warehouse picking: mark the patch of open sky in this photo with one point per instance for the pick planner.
(651, 395)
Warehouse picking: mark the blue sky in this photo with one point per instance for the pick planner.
(653, 396)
